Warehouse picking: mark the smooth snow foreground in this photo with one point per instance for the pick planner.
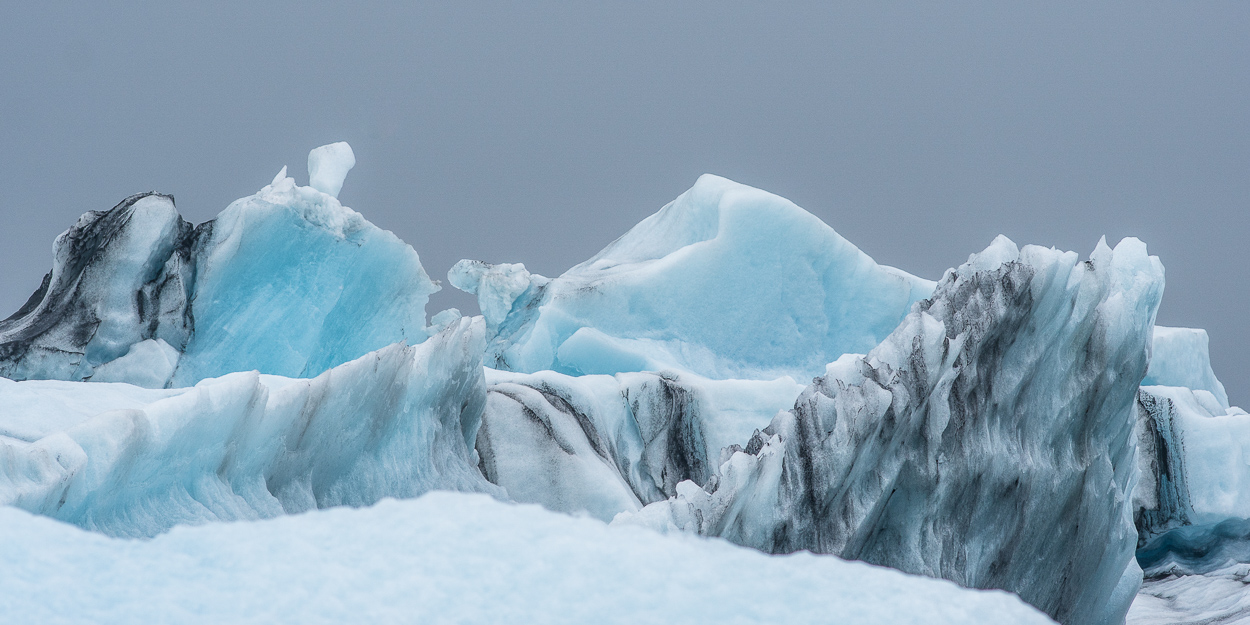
(452, 558)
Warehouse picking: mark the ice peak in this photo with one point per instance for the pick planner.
(328, 166)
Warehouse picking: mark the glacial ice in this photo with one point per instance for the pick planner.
(988, 429)
(999, 411)
(453, 558)
(119, 277)
(1182, 357)
(334, 287)
(287, 282)
(725, 282)
(328, 166)
(603, 445)
(128, 461)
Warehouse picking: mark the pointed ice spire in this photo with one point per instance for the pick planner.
(328, 166)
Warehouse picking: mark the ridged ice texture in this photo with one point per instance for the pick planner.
(118, 277)
(287, 282)
(988, 440)
(603, 445)
(1215, 598)
(453, 558)
(726, 281)
(290, 282)
(134, 462)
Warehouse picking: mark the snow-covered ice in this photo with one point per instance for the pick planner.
(453, 558)
(129, 461)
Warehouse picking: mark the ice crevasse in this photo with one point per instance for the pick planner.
(731, 367)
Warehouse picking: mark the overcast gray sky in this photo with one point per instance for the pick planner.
(539, 132)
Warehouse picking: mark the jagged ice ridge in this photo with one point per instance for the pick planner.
(1020, 424)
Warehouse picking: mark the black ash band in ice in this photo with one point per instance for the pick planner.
(730, 367)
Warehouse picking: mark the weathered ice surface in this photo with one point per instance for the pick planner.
(129, 461)
(453, 558)
(290, 282)
(287, 282)
(118, 277)
(602, 445)
(1182, 357)
(1192, 454)
(988, 440)
(1220, 597)
(726, 281)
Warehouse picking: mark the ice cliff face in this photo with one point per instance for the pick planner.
(726, 281)
(988, 440)
(333, 287)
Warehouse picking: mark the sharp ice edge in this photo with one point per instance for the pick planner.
(334, 288)
(394, 423)
(928, 454)
(138, 295)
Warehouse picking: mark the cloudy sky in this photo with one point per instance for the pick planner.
(539, 132)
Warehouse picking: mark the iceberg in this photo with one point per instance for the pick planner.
(453, 558)
(731, 372)
(287, 282)
(988, 440)
(129, 461)
(119, 277)
(725, 282)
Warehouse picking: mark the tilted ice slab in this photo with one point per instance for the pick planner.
(603, 445)
(453, 558)
(288, 282)
(726, 281)
(129, 461)
(988, 440)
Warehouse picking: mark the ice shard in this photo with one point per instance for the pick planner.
(988, 440)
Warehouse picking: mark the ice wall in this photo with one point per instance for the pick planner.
(726, 281)
(134, 462)
(988, 440)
